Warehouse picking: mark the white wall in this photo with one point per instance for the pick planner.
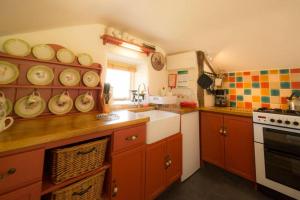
(86, 38)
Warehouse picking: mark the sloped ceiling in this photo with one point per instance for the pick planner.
(238, 34)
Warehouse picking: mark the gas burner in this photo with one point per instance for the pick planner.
(269, 110)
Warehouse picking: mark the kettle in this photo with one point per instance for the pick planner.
(294, 102)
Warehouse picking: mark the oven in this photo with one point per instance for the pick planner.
(277, 158)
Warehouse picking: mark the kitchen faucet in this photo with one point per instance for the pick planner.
(139, 93)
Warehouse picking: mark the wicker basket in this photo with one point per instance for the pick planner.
(87, 189)
(72, 161)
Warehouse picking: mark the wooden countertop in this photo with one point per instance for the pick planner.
(27, 133)
(228, 110)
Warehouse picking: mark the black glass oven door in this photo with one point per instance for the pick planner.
(282, 167)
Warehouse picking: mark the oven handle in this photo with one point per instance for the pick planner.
(282, 154)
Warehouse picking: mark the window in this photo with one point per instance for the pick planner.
(121, 77)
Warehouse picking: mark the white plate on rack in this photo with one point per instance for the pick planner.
(91, 79)
(58, 109)
(43, 52)
(40, 75)
(69, 77)
(84, 107)
(8, 72)
(85, 59)
(24, 110)
(65, 56)
(16, 47)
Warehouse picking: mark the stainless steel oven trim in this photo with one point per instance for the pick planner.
(260, 162)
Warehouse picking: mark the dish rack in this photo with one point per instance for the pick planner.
(22, 87)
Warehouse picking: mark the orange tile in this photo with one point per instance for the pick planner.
(240, 104)
(284, 100)
(255, 78)
(232, 91)
(231, 79)
(297, 70)
(264, 85)
(265, 92)
(296, 85)
(247, 85)
(284, 106)
(265, 105)
(274, 71)
(232, 97)
(264, 78)
(256, 98)
(248, 105)
(285, 77)
(246, 73)
(239, 74)
(239, 85)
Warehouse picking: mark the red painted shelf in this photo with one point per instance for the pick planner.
(51, 87)
(122, 43)
(48, 186)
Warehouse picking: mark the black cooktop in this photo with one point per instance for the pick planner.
(278, 111)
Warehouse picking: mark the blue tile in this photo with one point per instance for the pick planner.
(284, 71)
(247, 91)
(275, 92)
(297, 92)
(265, 99)
(240, 98)
(232, 85)
(232, 104)
(239, 79)
(285, 85)
(263, 72)
(255, 85)
(232, 74)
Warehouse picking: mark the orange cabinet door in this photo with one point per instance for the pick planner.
(31, 192)
(128, 175)
(212, 140)
(155, 169)
(174, 158)
(239, 147)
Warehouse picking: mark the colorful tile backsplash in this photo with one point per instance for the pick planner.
(265, 88)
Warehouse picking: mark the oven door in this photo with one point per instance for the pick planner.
(277, 160)
(282, 156)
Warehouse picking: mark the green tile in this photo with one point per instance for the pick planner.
(265, 99)
(285, 85)
(232, 85)
(240, 97)
(247, 91)
(263, 72)
(239, 79)
(284, 71)
(275, 92)
(227, 91)
(297, 92)
(232, 104)
(255, 85)
(232, 74)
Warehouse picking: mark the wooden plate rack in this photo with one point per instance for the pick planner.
(22, 87)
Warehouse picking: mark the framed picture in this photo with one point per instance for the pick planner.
(172, 79)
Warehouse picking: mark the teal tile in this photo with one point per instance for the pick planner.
(255, 85)
(239, 79)
(265, 99)
(247, 91)
(284, 71)
(227, 91)
(232, 85)
(297, 92)
(240, 97)
(232, 74)
(285, 85)
(275, 92)
(263, 72)
(232, 104)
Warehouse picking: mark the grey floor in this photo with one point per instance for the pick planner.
(212, 183)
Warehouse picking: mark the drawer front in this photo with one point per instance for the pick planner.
(129, 137)
(20, 169)
(31, 192)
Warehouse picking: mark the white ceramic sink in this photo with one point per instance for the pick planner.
(162, 124)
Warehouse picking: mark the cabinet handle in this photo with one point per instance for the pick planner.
(115, 190)
(9, 172)
(221, 130)
(86, 152)
(132, 138)
(225, 133)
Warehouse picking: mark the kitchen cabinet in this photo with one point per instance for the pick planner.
(128, 175)
(31, 192)
(163, 164)
(128, 163)
(227, 142)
